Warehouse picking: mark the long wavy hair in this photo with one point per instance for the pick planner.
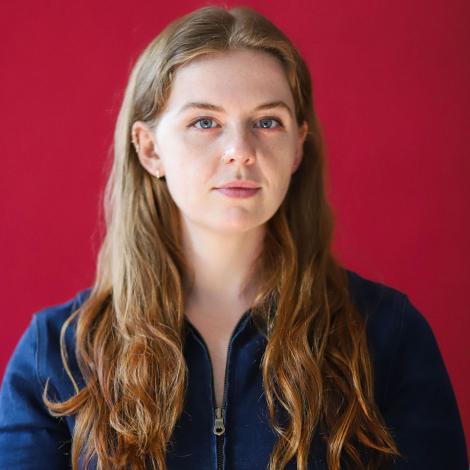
(130, 330)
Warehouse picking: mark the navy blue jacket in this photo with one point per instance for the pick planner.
(412, 390)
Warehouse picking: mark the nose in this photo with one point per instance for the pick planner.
(238, 147)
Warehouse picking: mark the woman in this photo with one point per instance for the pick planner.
(220, 331)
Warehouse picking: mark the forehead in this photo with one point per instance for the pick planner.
(230, 78)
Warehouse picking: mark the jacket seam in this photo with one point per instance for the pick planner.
(41, 385)
(399, 342)
(40, 377)
(36, 351)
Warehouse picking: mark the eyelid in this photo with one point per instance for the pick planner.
(272, 118)
(201, 118)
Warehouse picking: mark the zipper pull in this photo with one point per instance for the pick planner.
(219, 427)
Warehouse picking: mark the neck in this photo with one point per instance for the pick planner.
(223, 265)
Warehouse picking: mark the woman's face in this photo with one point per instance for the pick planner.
(230, 134)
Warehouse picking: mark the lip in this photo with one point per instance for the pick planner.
(243, 184)
(238, 193)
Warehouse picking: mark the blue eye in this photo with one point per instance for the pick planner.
(203, 122)
(265, 123)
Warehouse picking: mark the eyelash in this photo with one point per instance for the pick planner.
(268, 118)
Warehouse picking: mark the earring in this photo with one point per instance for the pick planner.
(158, 174)
(135, 145)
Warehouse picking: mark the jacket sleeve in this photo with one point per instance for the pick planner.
(421, 408)
(30, 437)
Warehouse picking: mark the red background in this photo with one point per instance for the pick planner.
(391, 88)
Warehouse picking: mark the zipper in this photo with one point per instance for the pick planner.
(219, 412)
(219, 424)
(219, 431)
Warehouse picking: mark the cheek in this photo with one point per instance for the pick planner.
(191, 156)
(277, 166)
(188, 177)
(281, 182)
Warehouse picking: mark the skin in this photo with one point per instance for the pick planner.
(223, 235)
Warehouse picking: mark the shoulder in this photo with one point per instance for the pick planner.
(412, 386)
(36, 358)
(50, 319)
(382, 307)
(373, 297)
(389, 312)
(393, 325)
(47, 324)
(386, 310)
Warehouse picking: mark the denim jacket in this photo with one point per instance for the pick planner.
(412, 389)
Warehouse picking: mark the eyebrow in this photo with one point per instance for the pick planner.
(213, 107)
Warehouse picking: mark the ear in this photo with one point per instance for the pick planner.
(145, 147)
(303, 130)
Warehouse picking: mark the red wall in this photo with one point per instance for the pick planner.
(391, 86)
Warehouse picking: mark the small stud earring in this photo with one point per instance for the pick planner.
(158, 174)
(135, 145)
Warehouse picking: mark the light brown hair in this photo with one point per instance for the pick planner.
(129, 332)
